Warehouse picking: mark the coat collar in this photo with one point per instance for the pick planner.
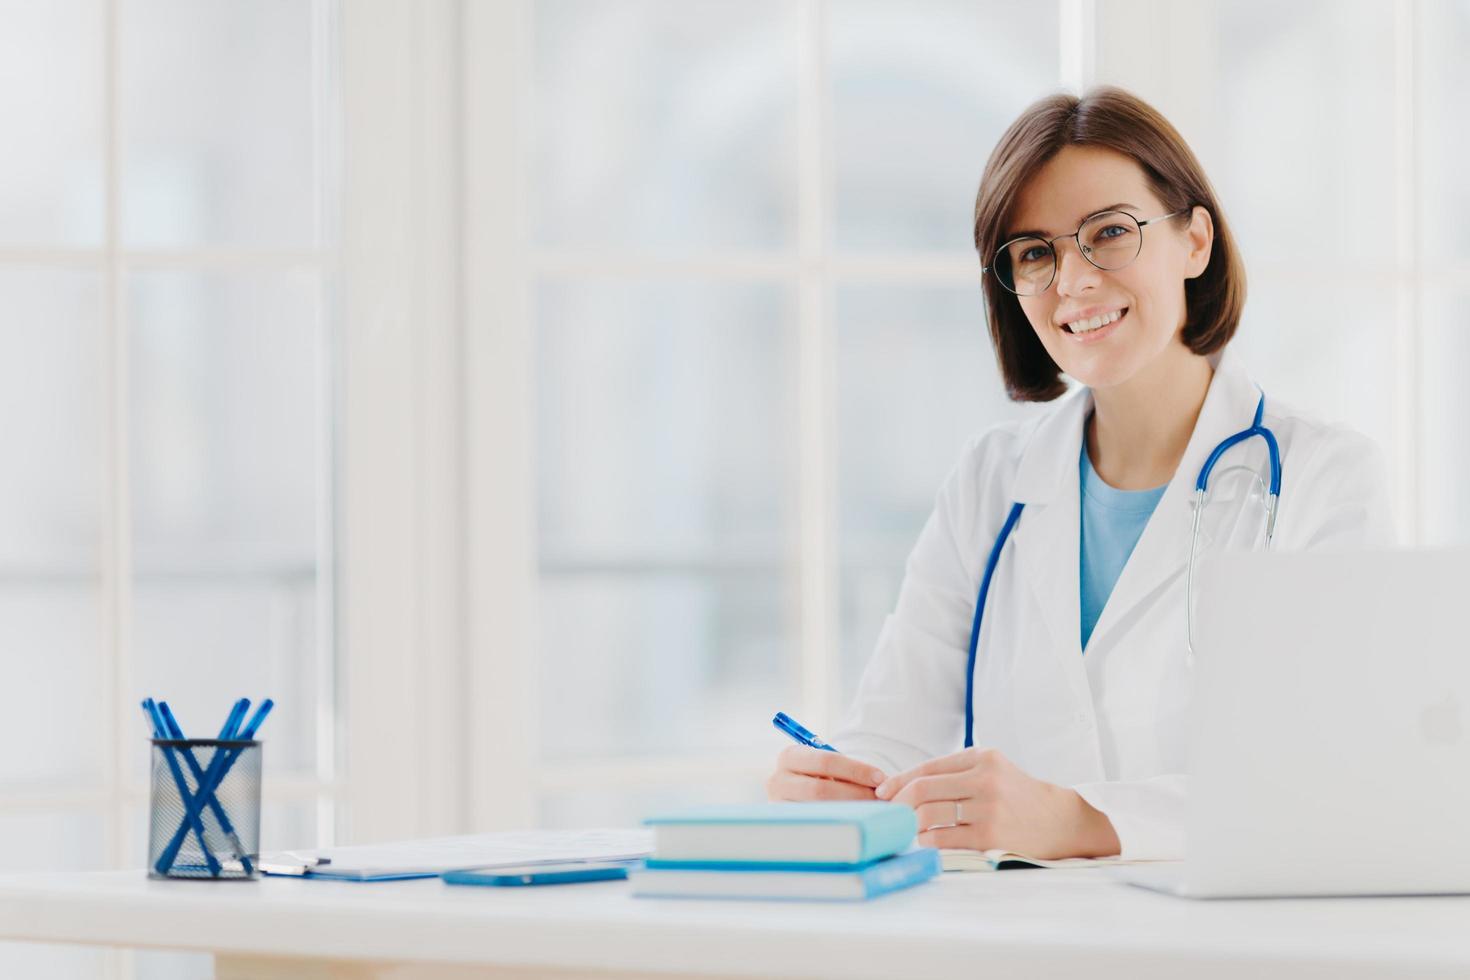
(1050, 459)
(1049, 530)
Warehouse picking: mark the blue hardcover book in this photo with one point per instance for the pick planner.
(808, 884)
(838, 836)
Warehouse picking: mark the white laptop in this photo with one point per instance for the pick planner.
(1331, 750)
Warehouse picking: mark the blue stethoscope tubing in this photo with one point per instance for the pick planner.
(1201, 487)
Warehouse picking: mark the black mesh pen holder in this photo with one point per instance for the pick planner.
(204, 813)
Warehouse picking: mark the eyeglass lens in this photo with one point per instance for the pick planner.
(1111, 240)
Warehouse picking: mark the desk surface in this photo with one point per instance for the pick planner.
(1016, 922)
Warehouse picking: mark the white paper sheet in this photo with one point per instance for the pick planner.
(422, 858)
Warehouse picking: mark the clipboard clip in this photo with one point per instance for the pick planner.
(290, 863)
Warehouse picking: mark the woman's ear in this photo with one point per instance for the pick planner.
(1201, 236)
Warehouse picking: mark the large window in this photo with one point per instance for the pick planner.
(757, 341)
(588, 367)
(166, 241)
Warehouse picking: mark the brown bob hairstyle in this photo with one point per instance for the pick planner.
(1117, 120)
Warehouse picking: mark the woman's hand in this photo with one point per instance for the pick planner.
(979, 799)
(804, 773)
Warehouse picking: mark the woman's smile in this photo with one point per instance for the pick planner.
(1092, 329)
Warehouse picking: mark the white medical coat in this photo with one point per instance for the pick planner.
(1111, 724)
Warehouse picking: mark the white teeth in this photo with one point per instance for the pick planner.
(1087, 326)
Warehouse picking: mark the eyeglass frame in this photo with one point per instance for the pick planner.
(1081, 249)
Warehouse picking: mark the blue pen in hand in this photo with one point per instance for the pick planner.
(794, 730)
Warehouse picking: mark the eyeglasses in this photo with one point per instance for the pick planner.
(1109, 240)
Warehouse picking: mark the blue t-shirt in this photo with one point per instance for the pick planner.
(1112, 522)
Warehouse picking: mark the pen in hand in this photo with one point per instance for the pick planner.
(826, 775)
(798, 733)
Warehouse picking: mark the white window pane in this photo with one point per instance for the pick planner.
(50, 631)
(219, 136)
(203, 640)
(288, 824)
(664, 124)
(225, 395)
(225, 463)
(1443, 137)
(52, 391)
(1327, 349)
(67, 840)
(51, 102)
(664, 418)
(1305, 172)
(72, 840)
(664, 663)
(629, 807)
(666, 482)
(1444, 447)
(921, 91)
(916, 380)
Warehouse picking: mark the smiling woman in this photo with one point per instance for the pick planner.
(1106, 258)
(1117, 142)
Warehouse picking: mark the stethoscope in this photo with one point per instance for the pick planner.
(1201, 494)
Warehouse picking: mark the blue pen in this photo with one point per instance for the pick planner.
(794, 730)
(254, 724)
(219, 767)
(232, 722)
(175, 730)
(191, 817)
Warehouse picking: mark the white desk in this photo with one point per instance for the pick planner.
(1008, 924)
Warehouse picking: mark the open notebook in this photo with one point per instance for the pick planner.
(961, 859)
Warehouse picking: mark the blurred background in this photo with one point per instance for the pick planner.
(532, 396)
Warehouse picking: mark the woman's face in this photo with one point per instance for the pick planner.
(1074, 185)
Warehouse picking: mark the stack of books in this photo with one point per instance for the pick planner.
(823, 851)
